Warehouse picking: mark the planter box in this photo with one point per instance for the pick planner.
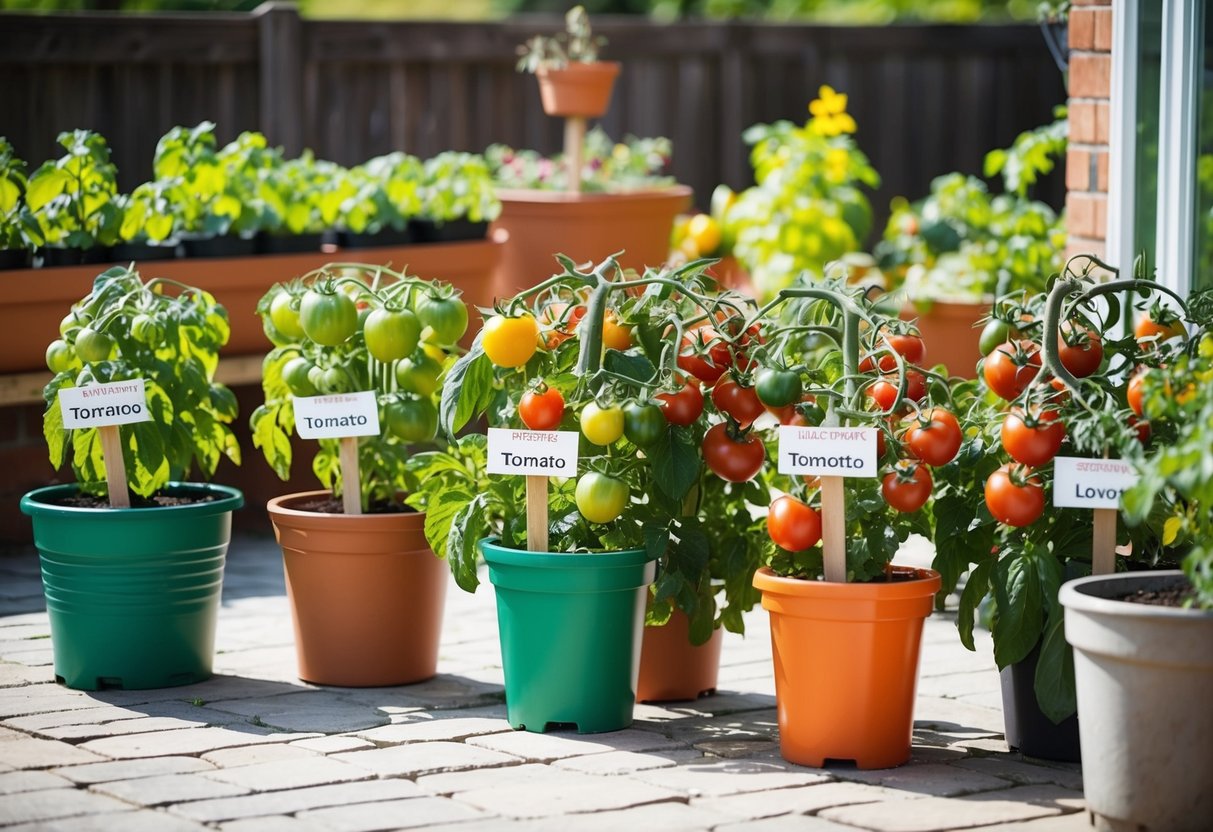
(949, 330)
(586, 227)
(35, 300)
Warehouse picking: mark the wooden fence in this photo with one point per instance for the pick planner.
(928, 99)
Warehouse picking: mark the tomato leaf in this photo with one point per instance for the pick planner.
(633, 366)
(439, 515)
(469, 526)
(468, 389)
(1017, 591)
(1054, 683)
(676, 462)
(53, 430)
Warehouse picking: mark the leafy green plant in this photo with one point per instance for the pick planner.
(18, 227)
(167, 334)
(632, 164)
(72, 198)
(458, 186)
(576, 44)
(353, 327)
(147, 212)
(305, 195)
(1031, 156)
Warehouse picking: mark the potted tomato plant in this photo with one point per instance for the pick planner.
(72, 200)
(1061, 385)
(18, 228)
(845, 623)
(572, 81)
(604, 355)
(364, 348)
(133, 587)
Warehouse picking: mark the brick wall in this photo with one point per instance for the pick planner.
(1090, 34)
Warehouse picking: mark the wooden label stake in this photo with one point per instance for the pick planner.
(351, 494)
(834, 529)
(536, 513)
(574, 151)
(115, 468)
(1103, 542)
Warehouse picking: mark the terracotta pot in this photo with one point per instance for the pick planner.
(577, 90)
(951, 333)
(586, 227)
(730, 274)
(366, 594)
(846, 665)
(671, 668)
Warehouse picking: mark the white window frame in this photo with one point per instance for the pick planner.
(1122, 138)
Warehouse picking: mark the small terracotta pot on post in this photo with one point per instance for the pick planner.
(951, 328)
(577, 90)
(671, 668)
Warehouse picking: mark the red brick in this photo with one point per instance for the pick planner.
(1107, 3)
(1102, 119)
(1086, 214)
(1101, 172)
(1078, 170)
(1082, 122)
(1090, 75)
(1103, 30)
(1082, 29)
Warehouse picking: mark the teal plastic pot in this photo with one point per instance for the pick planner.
(133, 594)
(570, 627)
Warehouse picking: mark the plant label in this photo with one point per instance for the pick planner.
(103, 405)
(827, 452)
(1090, 483)
(337, 416)
(543, 453)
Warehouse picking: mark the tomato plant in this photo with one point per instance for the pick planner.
(601, 425)
(327, 316)
(443, 312)
(778, 387)
(907, 487)
(510, 341)
(934, 438)
(391, 334)
(733, 457)
(1033, 440)
(683, 406)
(541, 409)
(600, 498)
(1080, 350)
(1010, 368)
(793, 525)
(738, 401)
(1014, 495)
(644, 424)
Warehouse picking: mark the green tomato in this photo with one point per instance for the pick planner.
(778, 388)
(995, 332)
(328, 318)
(419, 374)
(297, 373)
(391, 336)
(285, 317)
(334, 380)
(1205, 348)
(643, 424)
(92, 345)
(60, 357)
(600, 498)
(446, 317)
(601, 425)
(72, 321)
(412, 419)
(147, 330)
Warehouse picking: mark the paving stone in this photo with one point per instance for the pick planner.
(796, 800)
(726, 702)
(443, 691)
(218, 688)
(251, 755)
(184, 741)
(17, 675)
(30, 752)
(956, 685)
(290, 774)
(295, 800)
(189, 715)
(50, 804)
(626, 762)
(1073, 822)
(493, 778)
(1024, 773)
(934, 814)
(735, 749)
(395, 814)
(935, 779)
(720, 777)
(668, 817)
(271, 823)
(131, 769)
(14, 782)
(39, 699)
(543, 748)
(575, 793)
(314, 711)
(754, 725)
(950, 715)
(416, 759)
(332, 745)
(148, 820)
(422, 730)
(784, 823)
(120, 727)
(167, 788)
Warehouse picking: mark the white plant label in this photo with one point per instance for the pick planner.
(337, 416)
(543, 453)
(827, 452)
(103, 405)
(1090, 483)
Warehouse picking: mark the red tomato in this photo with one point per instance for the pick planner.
(683, 406)
(1012, 503)
(1035, 444)
(704, 354)
(1150, 330)
(909, 347)
(541, 410)
(735, 460)
(883, 394)
(907, 487)
(559, 322)
(1133, 393)
(1010, 368)
(740, 402)
(1084, 358)
(937, 440)
(916, 385)
(1143, 429)
(793, 525)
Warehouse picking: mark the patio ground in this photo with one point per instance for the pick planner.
(256, 749)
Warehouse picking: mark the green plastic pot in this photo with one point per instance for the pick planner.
(133, 594)
(570, 628)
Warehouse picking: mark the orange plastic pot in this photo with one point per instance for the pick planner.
(366, 594)
(578, 90)
(846, 664)
(951, 333)
(673, 669)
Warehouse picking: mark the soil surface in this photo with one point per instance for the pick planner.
(1175, 596)
(155, 501)
(332, 505)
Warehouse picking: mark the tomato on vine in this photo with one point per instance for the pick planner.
(1134, 392)
(733, 458)
(1010, 368)
(615, 336)
(704, 354)
(61, 356)
(907, 487)
(284, 315)
(738, 401)
(541, 409)
(643, 424)
(1032, 440)
(92, 346)
(447, 317)
(559, 322)
(419, 373)
(995, 333)
(883, 394)
(792, 524)
(412, 418)
(1014, 495)
(1158, 326)
(297, 373)
(600, 498)
(391, 334)
(683, 406)
(601, 425)
(510, 342)
(778, 388)
(935, 437)
(910, 347)
(1080, 349)
(328, 317)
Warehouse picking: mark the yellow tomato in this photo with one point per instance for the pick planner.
(601, 425)
(510, 342)
(615, 336)
(704, 232)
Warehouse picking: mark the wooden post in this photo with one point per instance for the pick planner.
(351, 495)
(574, 151)
(280, 67)
(834, 529)
(536, 513)
(115, 468)
(1103, 542)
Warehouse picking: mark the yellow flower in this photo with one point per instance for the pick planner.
(837, 161)
(829, 111)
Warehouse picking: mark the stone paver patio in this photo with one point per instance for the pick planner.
(256, 750)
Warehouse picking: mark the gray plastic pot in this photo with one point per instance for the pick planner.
(1144, 675)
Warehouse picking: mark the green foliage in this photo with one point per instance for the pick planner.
(839, 12)
(607, 166)
(1030, 156)
(171, 341)
(384, 193)
(458, 186)
(72, 198)
(576, 44)
(18, 227)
